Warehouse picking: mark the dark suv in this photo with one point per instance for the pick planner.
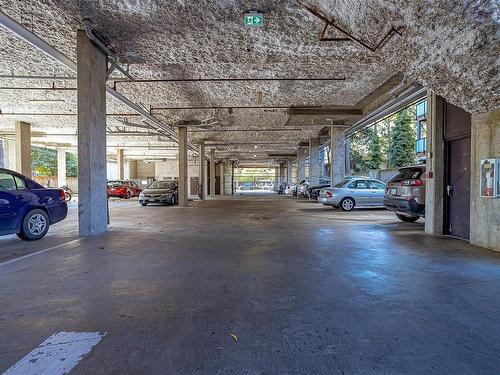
(405, 193)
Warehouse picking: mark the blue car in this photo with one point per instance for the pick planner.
(27, 208)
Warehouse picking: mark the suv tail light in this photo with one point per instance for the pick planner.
(62, 194)
(328, 194)
(411, 182)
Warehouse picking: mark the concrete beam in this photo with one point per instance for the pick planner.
(92, 188)
(183, 167)
(23, 148)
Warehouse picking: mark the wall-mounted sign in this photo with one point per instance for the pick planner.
(490, 181)
(254, 19)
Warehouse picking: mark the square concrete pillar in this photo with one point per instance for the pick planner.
(221, 180)
(301, 164)
(435, 166)
(201, 170)
(61, 167)
(120, 163)
(23, 148)
(183, 167)
(91, 92)
(337, 155)
(484, 212)
(289, 172)
(314, 163)
(282, 173)
(132, 170)
(212, 173)
(348, 171)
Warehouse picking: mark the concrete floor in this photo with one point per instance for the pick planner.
(306, 289)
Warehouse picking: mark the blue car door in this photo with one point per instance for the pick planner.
(9, 203)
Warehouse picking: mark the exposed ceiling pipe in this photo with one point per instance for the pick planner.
(46, 48)
(110, 54)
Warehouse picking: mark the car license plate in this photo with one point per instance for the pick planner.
(394, 191)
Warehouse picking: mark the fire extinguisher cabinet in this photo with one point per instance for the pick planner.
(490, 181)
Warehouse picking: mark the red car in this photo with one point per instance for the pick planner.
(123, 189)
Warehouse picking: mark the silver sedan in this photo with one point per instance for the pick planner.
(354, 192)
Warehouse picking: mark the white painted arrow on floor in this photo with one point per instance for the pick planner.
(57, 355)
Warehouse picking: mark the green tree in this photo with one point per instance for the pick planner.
(375, 152)
(44, 161)
(71, 165)
(402, 144)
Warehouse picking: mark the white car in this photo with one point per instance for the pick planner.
(354, 192)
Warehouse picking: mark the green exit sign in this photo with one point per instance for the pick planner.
(254, 19)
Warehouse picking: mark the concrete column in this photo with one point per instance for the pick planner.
(183, 167)
(301, 164)
(91, 89)
(132, 170)
(23, 148)
(289, 172)
(201, 170)
(276, 176)
(348, 171)
(484, 212)
(212, 173)
(120, 164)
(282, 173)
(61, 168)
(435, 166)
(314, 164)
(221, 181)
(337, 155)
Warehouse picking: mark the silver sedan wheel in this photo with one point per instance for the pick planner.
(347, 204)
(37, 224)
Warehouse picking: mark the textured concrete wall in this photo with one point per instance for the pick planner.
(145, 170)
(485, 212)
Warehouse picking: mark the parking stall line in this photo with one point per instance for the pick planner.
(57, 355)
(38, 252)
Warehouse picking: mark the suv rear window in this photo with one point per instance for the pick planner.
(407, 174)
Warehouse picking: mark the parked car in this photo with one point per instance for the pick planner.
(302, 188)
(27, 208)
(160, 191)
(354, 192)
(123, 189)
(405, 193)
(312, 192)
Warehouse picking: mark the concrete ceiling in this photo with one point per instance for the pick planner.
(449, 46)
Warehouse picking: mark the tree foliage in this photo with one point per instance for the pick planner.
(402, 143)
(71, 165)
(44, 161)
(375, 152)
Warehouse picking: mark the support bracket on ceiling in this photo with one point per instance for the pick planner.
(348, 36)
(109, 53)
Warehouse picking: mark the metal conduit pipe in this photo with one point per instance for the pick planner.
(37, 42)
